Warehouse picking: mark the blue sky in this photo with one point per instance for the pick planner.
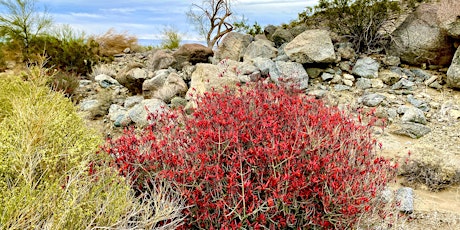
(147, 18)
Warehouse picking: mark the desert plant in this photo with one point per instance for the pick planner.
(242, 26)
(21, 22)
(48, 179)
(112, 43)
(435, 174)
(360, 21)
(64, 82)
(259, 157)
(211, 19)
(171, 38)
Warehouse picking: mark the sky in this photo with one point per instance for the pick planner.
(146, 19)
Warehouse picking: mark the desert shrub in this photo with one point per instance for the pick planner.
(69, 55)
(64, 82)
(435, 174)
(360, 21)
(112, 43)
(264, 157)
(243, 26)
(171, 39)
(48, 179)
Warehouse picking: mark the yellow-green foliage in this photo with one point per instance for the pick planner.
(45, 153)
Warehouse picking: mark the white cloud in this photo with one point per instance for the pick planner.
(86, 15)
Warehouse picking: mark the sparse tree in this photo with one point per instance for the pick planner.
(211, 19)
(21, 22)
(171, 38)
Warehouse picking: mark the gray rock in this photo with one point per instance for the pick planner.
(84, 83)
(269, 31)
(116, 113)
(291, 73)
(327, 76)
(453, 74)
(133, 78)
(453, 28)
(372, 100)
(340, 87)
(192, 54)
(345, 50)
(420, 39)
(411, 129)
(207, 77)
(233, 46)
(421, 75)
(138, 113)
(311, 46)
(164, 88)
(281, 36)
(422, 105)
(132, 101)
(405, 200)
(391, 60)
(88, 105)
(412, 114)
(160, 60)
(366, 67)
(264, 65)
(389, 77)
(105, 81)
(260, 48)
(317, 93)
(314, 72)
(364, 83)
(403, 84)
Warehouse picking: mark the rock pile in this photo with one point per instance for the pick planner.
(161, 79)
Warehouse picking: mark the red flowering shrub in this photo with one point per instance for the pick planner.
(260, 158)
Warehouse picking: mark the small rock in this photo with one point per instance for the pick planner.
(366, 68)
(105, 81)
(132, 101)
(314, 72)
(347, 82)
(391, 61)
(87, 105)
(339, 88)
(372, 100)
(389, 77)
(411, 129)
(318, 93)
(420, 75)
(363, 83)
(377, 83)
(405, 200)
(348, 77)
(422, 105)
(327, 76)
(413, 114)
(455, 114)
(403, 84)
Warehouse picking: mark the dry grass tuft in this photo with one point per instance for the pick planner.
(112, 43)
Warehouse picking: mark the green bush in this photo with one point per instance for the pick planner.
(360, 21)
(50, 174)
(171, 39)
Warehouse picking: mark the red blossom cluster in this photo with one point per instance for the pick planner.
(259, 157)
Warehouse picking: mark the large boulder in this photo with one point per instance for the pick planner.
(453, 74)
(207, 77)
(269, 31)
(233, 46)
(133, 78)
(281, 36)
(164, 86)
(291, 73)
(311, 46)
(139, 113)
(260, 48)
(192, 54)
(162, 59)
(420, 39)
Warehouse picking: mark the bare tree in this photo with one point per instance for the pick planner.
(211, 19)
(21, 22)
